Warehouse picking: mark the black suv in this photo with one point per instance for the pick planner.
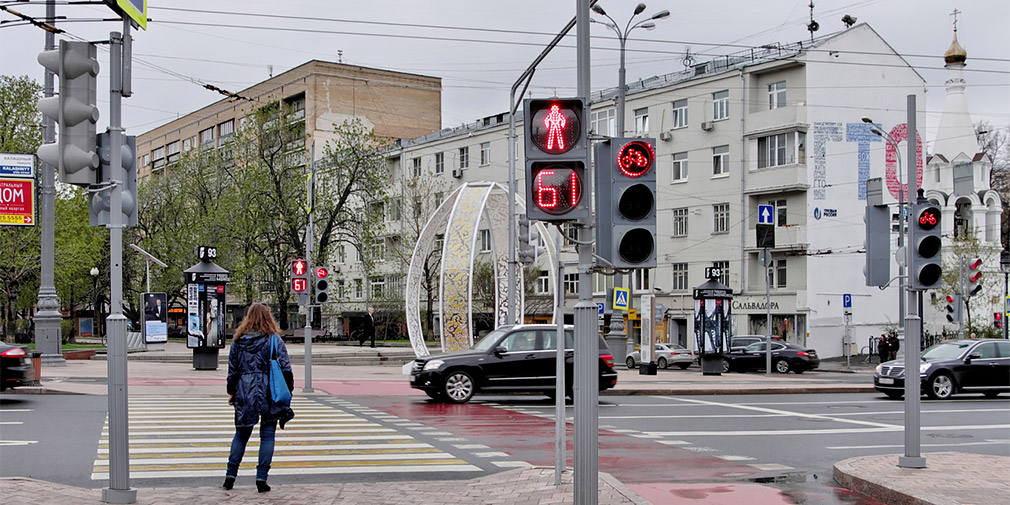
(951, 367)
(510, 359)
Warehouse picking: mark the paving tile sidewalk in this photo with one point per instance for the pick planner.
(950, 478)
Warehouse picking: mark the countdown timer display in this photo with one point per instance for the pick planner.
(556, 189)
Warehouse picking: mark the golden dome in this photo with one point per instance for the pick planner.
(955, 53)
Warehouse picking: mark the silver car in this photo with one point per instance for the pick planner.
(664, 356)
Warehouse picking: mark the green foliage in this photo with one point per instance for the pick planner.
(19, 115)
(965, 248)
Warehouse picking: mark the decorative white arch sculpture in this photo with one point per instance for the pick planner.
(458, 218)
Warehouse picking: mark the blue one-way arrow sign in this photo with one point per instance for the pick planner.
(766, 214)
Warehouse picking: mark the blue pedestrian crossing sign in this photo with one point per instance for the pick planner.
(846, 301)
(621, 299)
(766, 214)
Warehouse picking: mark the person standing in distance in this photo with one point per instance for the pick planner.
(369, 327)
(249, 391)
(883, 348)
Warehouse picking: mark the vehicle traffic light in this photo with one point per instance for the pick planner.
(99, 203)
(953, 308)
(997, 320)
(626, 202)
(878, 245)
(322, 285)
(299, 276)
(525, 242)
(74, 153)
(974, 276)
(924, 239)
(555, 150)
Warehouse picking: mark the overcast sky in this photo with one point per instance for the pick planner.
(479, 47)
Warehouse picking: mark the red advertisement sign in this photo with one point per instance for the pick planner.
(17, 202)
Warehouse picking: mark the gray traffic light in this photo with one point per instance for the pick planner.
(74, 110)
(524, 240)
(953, 308)
(924, 239)
(99, 204)
(321, 294)
(973, 274)
(556, 143)
(626, 202)
(878, 245)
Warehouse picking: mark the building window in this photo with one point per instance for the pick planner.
(680, 113)
(720, 212)
(571, 233)
(604, 122)
(379, 249)
(340, 289)
(439, 163)
(543, 283)
(378, 287)
(780, 274)
(225, 131)
(777, 95)
(780, 149)
(680, 222)
(358, 293)
(187, 144)
(439, 197)
(720, 105)
(145, 160)
(158, 155)
(571, 284)
(720, 160)
(418, 207)
(485, 153)
(341, 254)
(640, 280)
(207, 138)
(464, 157)
(393, 210)
(173, 151)
(679, 167)
(641, 121)
(416, 162)
(484, 236)
(723, 267)
(781, 213)
(679, 277)
(601, 284)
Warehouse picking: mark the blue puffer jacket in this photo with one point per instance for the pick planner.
(249, 376)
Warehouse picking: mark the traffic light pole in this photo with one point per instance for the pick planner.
(119, 490)
(307, 387)
(913, 322)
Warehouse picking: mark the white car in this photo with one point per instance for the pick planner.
(664, 356)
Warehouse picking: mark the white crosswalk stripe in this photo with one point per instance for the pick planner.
(183, 437)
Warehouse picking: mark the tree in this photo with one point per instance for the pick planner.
(995, 143)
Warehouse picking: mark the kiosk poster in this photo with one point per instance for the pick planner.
(155, 325)
(194, 332)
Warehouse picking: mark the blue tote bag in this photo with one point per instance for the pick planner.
(279, 392)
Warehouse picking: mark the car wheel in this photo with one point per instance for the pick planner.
(630, 362)
(941, 386)
(683, 366)
(781, 366)
(459, 387)
(991, 394)
(726, 367)
(661, 363)
(894, 394)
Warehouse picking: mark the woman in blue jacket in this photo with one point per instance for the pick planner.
(249, 390)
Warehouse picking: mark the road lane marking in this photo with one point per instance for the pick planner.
(825, 431)
(795, 414)
(898, 446)
(11, 423)
(5, 443)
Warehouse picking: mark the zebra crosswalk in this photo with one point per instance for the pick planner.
(191, 437)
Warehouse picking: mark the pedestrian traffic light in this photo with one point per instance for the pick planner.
(953, 308)
(877, 269)
(924, 239)
(626, 202)
(299, 276)
(322, 285)
(974, 276)
(99, 204)
(74, 154)
(555, 150)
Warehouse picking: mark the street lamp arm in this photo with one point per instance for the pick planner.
(612, 24)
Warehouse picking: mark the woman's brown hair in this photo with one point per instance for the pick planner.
(257, 318)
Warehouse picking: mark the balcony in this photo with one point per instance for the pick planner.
(787, 238)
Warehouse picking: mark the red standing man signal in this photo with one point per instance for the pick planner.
(554, 122)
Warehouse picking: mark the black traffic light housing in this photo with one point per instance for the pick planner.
(626, 202)
(299, 276)
(556, 147)
(926, 244)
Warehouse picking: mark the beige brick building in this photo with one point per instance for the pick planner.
(396, 104)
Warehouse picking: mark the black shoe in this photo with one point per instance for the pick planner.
(261, 486)
(229, 482)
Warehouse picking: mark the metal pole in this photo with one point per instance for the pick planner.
(48, 340)
(310, 198)
(913, 328)
(768, 315)
(1004, 304)
(119, 490)
(560, 417)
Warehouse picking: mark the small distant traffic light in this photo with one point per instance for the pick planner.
(924, 239)
(299, 276)
(974, 276)
(99, 201)
(555, 151)
(953, 308)
(626, 202)
(321, 295)
(525, 242)
(74, 110)
(877, 269)
(997, 320)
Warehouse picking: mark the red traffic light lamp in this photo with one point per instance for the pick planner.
(322, 272)
(299, 276)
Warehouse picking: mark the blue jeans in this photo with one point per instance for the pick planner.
(267, 431)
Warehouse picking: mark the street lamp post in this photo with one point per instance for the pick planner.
(616, 334)
(1004, 264)
(901, 219)
(94, 290)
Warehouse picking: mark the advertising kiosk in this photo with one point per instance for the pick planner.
(205, 309)
(712, 324)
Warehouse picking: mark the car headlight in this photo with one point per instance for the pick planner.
(433, 364)
(923, 367)
(878, 370)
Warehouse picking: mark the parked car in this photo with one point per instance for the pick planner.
(510, 359)
(664, 356)
(15, 366)
(785, 358)
(739, 342)
(952, 367)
